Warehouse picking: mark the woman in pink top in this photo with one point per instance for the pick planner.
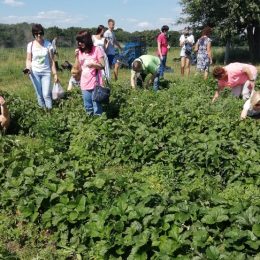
(162, 43)
(91, 61)
(239, 77)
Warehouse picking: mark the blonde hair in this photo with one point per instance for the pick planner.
(75, 71)
(255, 99)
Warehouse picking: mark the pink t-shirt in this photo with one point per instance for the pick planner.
(88, 79)
(162, 38)
(236, 75)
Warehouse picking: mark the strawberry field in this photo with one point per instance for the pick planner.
(164, 175)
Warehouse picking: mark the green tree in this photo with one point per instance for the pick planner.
(229, 18)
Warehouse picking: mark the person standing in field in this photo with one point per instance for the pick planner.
(90, 60)
(204, 55)
(186, 43)
(110, 48)
(142, 66)
(100, 41)
(4, 115)
(239, 77)
(39, 65)
(162, 48)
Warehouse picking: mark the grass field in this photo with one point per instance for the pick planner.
(164, 175)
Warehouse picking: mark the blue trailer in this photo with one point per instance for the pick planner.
(132, 50)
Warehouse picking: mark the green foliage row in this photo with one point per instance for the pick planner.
(18, 35)
(162, 175)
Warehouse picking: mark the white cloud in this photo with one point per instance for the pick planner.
(13, 3)
(144, 25)
(48, 18)
(167, 21)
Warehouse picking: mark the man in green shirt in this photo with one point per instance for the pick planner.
(144, 65)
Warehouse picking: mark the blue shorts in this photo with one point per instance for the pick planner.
(111, 59)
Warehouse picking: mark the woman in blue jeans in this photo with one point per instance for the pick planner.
(39, 64)
(90, 59)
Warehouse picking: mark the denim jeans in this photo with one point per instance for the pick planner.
(162, 65)
(92, 107)
(42, 86)
(156, 80)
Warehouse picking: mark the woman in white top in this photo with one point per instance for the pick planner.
(39, 64)
(100, 41)
(186, 43)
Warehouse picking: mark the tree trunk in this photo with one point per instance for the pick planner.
(257, 42)
(227, 51)
(253, 37)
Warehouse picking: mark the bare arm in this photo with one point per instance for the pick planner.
(133, 79)
(209, 52)
(250, 76)
(216, 95)
(159, 49)
(53, 67)
(28, 62)
(117, 44)
(196, 47)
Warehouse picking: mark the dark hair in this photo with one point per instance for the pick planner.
(85, 37)
(100, 28)
(37, 28)
(110, 20)
(206, 31)
(137, 66)
(218, 72)
(165, 28)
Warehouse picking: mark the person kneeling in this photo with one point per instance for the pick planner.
(4, 115)
(141, 67)
(251, 106)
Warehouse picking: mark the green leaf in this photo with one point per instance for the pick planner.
(99, 183)
(82, 203)
(256, 229)
(212, 253)
(73, 216)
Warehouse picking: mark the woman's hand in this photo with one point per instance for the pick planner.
(76, 52)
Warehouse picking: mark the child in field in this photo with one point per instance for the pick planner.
(4, 115)
(251, 106)
(75, 78)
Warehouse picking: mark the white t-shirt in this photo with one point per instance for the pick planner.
(40, 56)
(73, 82)
(98, 42)
(110, 36)
(190, 40)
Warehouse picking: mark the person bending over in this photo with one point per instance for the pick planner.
(239, 77)
(142, 66)
(251, 106)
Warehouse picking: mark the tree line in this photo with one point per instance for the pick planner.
(18, 35)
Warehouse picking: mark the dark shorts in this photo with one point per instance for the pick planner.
(111, 59)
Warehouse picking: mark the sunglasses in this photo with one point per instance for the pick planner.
(39, 33)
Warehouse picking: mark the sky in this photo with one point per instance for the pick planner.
(130, 15)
